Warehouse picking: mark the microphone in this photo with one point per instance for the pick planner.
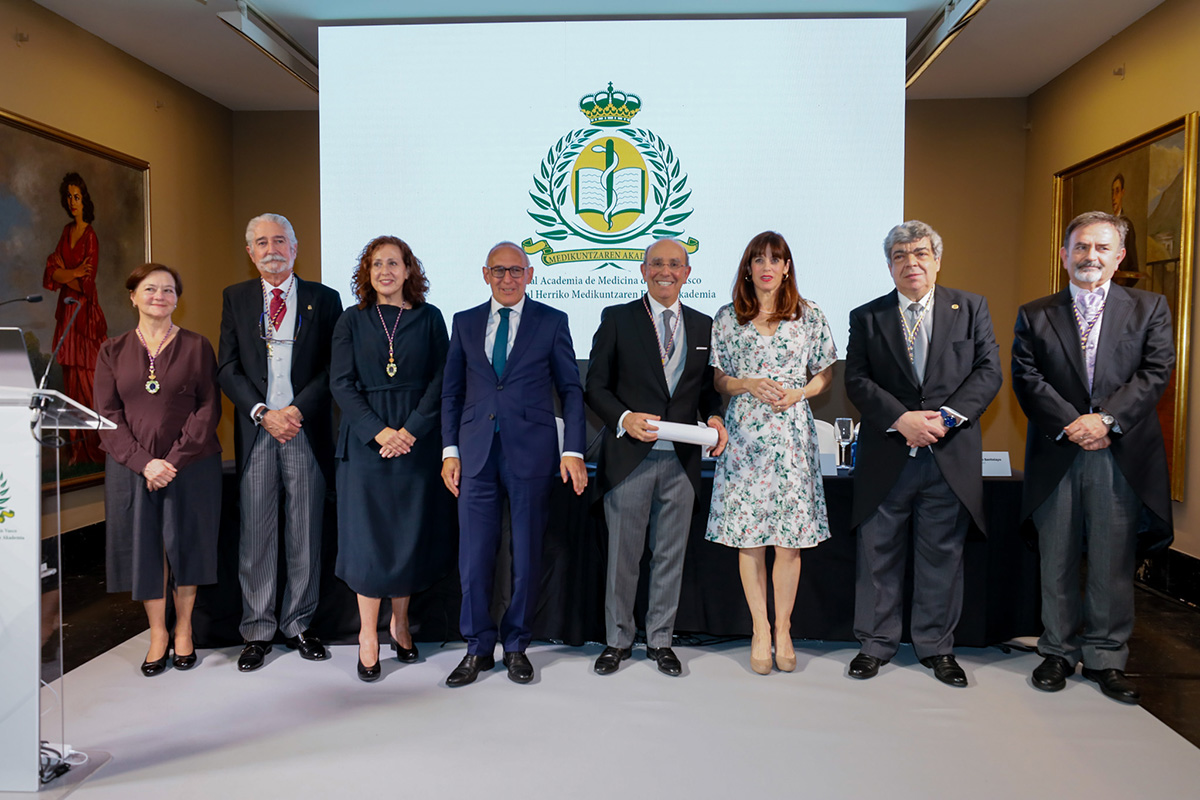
(70, 301)
(31, 298)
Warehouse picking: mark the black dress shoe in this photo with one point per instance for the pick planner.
(668, 662)
(1051, 674)
(863, 666)
(519, 668)
(468, 669)
(152, 668)
(184, 662)
(1114, 684)
(406, 655)
(252, 656)
(310, 646)
(368, 674)
(608, 661)
(946, 669)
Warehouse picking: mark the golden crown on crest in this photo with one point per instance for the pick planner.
(610, 107)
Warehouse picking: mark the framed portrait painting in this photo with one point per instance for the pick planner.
(74, 221)
(1149, 181)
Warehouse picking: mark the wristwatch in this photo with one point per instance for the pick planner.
(948, 419)
(258, 415)
(1108, 419)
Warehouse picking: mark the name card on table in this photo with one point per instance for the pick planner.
(996, 464)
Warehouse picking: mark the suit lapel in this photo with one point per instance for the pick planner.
(304, 312)
(1116, 311)
(887, 322)
(531, 319)
(1062, 319)
(946, 311)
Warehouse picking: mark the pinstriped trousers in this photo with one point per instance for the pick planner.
(293, 467)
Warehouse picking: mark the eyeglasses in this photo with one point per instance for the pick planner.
(658, 263)
(265, 332)
(498, 272)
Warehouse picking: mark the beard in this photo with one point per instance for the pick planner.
(1088, 272)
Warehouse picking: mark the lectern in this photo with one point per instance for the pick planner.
(27, 415)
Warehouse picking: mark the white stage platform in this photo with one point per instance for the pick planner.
(298, 729)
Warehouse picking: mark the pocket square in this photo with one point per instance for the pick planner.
(701, 348)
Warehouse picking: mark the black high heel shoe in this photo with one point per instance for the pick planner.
(368, 674)
(184, 662)
(406, 655)
(152, 668)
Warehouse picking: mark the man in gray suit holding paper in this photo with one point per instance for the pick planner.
(649, 362)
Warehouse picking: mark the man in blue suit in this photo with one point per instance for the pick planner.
(507, 359)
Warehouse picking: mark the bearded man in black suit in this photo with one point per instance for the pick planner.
(1089, 366)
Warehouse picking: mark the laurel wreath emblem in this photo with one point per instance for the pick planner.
(550, 190)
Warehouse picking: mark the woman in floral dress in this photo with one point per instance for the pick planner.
(772, 350)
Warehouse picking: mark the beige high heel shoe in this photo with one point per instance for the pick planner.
(786, 663)
(760, 665)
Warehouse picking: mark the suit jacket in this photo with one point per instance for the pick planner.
(242, 363)
(625, 373)
(1134, 359)
(962, 371)
(542, 360)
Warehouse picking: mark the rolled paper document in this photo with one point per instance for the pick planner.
(686, 434)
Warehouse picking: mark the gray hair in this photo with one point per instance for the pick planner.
(513, 245)
(656, 242)
(911, 231)
(1095, 218)
(278, 219)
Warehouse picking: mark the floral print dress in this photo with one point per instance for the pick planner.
(768, 489)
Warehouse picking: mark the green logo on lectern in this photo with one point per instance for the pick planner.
(5, 513)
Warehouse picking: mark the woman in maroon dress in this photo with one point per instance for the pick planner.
(162, 487)
(71, 271)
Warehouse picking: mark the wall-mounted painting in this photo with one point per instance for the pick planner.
(1151, 182)
(74, 221)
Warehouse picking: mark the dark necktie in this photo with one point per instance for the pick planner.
(278, 307)
(500, 346)
(668, 341)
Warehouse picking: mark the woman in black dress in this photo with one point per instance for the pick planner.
(162, 476)
(386, 376)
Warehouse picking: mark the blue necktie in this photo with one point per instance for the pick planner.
(500, 346)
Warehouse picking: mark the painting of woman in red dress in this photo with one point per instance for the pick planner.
(71, 270)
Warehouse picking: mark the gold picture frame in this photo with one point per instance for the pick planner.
(35, 161)
(1151, 181)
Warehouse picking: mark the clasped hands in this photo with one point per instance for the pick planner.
(158, 473)
(394, 442)
(920, 428)
(641, 427)
(1089, 432)
(283, 423)
(773, 393)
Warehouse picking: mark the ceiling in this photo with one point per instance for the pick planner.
(1010, 48)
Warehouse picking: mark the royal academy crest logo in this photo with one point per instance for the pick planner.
(606, 191)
